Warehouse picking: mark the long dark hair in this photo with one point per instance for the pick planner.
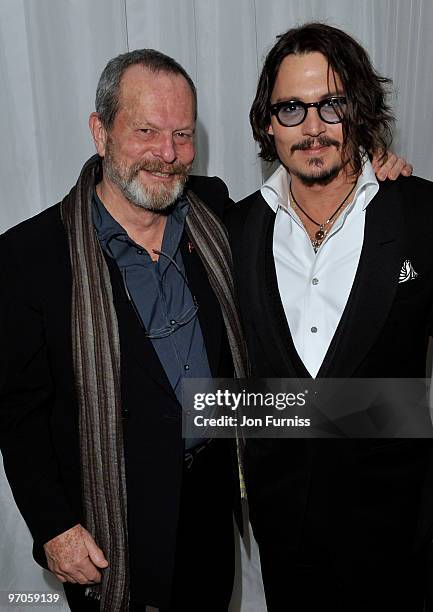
(368, 120)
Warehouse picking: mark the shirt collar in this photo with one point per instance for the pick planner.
(105, 225)
(275, 190)
(108, 229)
(367, 183)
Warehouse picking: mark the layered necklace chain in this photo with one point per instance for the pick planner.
(324, 227)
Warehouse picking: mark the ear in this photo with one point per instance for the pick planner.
(270, 129)
(99, 133)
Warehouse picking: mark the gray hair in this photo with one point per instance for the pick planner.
(107, 92)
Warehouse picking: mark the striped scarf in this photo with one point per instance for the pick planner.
(96, 361)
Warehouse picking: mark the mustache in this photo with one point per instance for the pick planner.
(157, 166)
(323, 141)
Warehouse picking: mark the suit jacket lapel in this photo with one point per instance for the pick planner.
(209, 312)
(132, 332)
(374, 286)
(259, 283)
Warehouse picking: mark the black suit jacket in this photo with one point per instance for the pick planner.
(38, 408)
(321, 494)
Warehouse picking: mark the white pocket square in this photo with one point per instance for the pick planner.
(407, 272)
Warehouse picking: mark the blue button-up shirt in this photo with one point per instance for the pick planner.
(160, 294)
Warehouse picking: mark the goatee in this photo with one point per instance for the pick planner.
(323, 177)
(318, 177)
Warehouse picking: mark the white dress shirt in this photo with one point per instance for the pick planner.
(314, 287)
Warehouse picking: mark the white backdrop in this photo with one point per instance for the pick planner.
(51, 54)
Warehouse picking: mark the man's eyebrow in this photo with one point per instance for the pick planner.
(149, 124)
(287, 99)
(330, 94)
(188, 128)
(139, 123)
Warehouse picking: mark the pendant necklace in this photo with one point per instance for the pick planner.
(324, 227)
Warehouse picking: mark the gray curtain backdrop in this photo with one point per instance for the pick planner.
(51, 55)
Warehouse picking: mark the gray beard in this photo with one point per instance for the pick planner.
(155, 200)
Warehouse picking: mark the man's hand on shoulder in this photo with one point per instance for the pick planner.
(390, 166)
(73, 556)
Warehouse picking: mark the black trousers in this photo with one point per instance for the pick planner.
(309, 588)
(337, 524)
(204, 566)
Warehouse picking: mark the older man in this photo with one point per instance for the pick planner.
(109, 299)
(335, 280)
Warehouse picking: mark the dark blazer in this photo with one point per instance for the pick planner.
(334, 499)
(38, 408)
